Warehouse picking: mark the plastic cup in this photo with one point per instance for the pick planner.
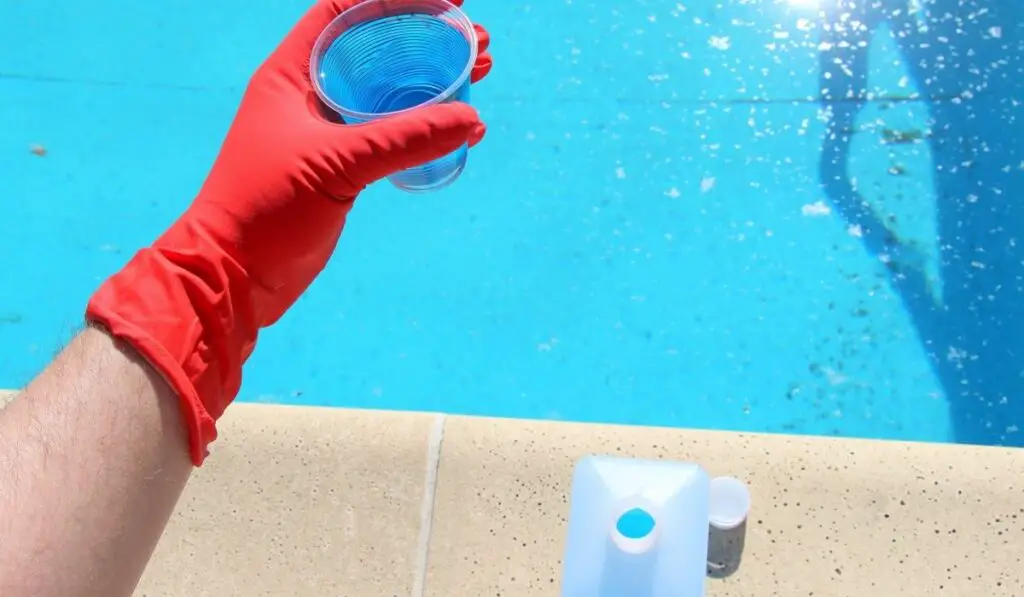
(385, 57)
(729, 503)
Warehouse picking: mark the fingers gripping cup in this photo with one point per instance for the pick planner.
(384, 57)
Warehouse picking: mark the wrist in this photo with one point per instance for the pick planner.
(185, 307)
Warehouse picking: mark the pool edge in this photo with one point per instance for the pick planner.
(313, 501)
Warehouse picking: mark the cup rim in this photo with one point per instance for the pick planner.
(326, 38)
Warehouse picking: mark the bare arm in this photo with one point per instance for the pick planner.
(95, 453)
(93, 458)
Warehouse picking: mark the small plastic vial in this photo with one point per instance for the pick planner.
(730, 502)
(637, 528)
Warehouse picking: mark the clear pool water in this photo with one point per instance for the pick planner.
(737, 214)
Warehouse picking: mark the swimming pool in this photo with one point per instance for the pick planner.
(665, 226)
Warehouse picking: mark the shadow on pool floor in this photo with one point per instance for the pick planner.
(973, 332)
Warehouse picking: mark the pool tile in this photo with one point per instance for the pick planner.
(299, 502)
(829, 517)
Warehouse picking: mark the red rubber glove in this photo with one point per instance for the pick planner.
(263, 225)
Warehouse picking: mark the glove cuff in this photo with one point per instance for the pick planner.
(188, 312)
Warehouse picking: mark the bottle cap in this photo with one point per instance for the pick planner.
(729, 503)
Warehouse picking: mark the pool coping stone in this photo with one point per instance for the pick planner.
(307, 501)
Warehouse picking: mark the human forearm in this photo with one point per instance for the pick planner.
(95, 453)
(93, 457)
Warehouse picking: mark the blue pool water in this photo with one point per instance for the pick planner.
(395, 63)
(738, 214)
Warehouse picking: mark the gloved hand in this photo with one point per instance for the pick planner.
(263, 225)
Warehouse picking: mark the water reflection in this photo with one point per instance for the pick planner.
(965, 61)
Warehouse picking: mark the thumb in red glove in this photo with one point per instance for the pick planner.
(264, 224)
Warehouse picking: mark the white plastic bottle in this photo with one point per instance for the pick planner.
(637, 528)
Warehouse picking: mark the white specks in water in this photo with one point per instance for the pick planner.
(547, 346)
(956, 355)
(843, 66)
(530, 135)
(673, 193)
(996, 32)
(855, 231)
(707, 183)
(834, 377)
(657, 78)
(719, 42)
(620, 173)
(816, 209)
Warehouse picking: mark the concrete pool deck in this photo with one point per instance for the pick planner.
(303, 502)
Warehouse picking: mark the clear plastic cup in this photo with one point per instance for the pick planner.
(729, 503)
(384, 57)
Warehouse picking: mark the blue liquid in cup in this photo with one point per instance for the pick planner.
(394, 63)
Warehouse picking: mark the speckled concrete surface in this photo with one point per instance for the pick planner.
(300, 502)
(304, 502)
(829, 517)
